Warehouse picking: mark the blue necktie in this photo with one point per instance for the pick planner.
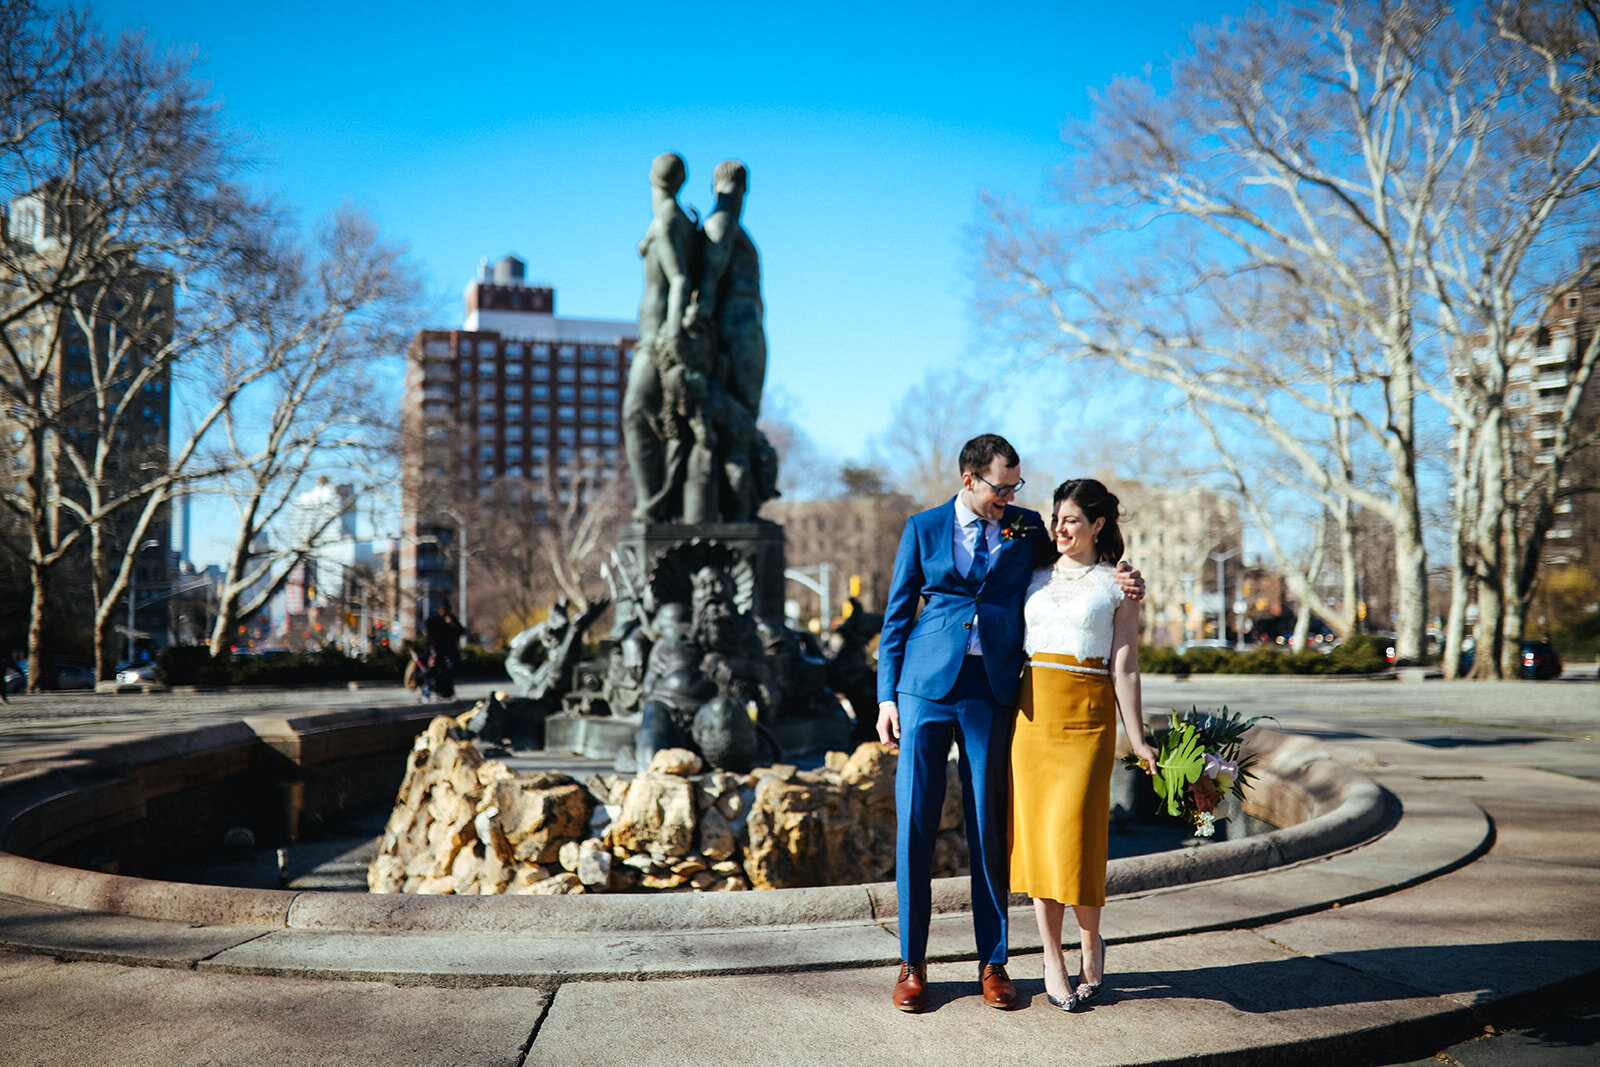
(980, 554)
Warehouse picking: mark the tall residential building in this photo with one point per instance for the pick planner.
(130, 313)
(517, 403)
(1538, 385)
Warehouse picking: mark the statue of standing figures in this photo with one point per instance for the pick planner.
(666, 250)
(694, 390)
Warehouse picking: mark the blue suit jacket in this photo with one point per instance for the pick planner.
(922, 655)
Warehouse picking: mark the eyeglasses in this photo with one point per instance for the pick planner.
(1001, 490)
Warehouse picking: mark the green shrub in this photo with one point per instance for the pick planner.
(1160, 659)
(1210, 660)
(1359, 654)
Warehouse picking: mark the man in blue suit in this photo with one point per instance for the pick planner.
(952, 673)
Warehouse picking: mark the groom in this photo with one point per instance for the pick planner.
(952, 673)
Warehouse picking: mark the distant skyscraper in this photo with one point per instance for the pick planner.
(515, 401)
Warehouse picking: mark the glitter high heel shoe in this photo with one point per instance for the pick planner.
(1087, 991)
(1066, 1003)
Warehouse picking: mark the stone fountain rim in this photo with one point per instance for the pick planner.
(1348, 808)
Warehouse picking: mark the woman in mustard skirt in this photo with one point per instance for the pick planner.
(1082, 641)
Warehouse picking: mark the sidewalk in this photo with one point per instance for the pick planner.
(1327, 962)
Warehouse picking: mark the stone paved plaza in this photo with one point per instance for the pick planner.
(1507, 937)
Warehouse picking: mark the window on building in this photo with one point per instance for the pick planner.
(567, 393)
(567, 353)
(541, 413)
(539, 392)
(513, 350)
(539, 454)
(609, 455)
(465, 348)
(541, 351)
(437, 349)
(485, 453)
(486, 472)
(486, 412)
(486, 351)
(566, 434)
(513, 370)
(514, 455)
(566, 413)
(567, 374)
(609, 395)
(566, 455)
(609, 416)
(486, 390)
(608, 374)
(591, 394)
(591, 414)
(466, 390)
(589, 435)
(1573, 300)
(513, 412)
(540, 433)
(608, 436)
(590, 374)
(514, 432)
(513, 392)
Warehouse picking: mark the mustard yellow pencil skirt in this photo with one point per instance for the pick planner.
(1062, 748)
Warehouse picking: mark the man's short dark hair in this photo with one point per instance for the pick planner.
(978, 453)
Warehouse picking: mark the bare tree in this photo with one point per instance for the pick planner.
(1505, 266)
(804, 472)
(920, 453)
(125, 220)
(1328, 153)
(330, 317)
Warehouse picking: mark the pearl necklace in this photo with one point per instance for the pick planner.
(1082, 570)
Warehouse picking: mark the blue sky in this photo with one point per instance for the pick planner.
(471, 131)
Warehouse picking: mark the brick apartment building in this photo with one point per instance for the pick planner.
(516, 400)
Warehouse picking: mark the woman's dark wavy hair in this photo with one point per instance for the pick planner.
(1096, 502)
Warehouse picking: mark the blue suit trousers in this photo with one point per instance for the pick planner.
(970, 716)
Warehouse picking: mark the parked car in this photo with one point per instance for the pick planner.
(1207, 642)
(131, 673)
(1540, 660)
(68, 676)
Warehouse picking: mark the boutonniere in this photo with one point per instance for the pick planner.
(1020, 527)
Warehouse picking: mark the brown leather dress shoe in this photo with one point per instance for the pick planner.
(998, 992)
(911, 991)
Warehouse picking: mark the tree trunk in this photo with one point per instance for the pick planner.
(1455, 627)
(1487, 637)
(38, 657)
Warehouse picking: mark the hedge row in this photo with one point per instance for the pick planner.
(1361, 654)
(194, 665)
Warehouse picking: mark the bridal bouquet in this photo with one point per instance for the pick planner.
(1198, 767)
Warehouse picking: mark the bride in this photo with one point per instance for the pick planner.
(1082, 640)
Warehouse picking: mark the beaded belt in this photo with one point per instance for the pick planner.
(1074, 667)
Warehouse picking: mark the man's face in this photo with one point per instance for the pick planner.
(982, 497)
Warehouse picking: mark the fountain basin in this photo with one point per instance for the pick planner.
(114, 806)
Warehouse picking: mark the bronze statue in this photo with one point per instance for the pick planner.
(694, 390)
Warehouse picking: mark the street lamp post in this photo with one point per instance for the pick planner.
(818, 585)
(133, 590)
(1222, 590)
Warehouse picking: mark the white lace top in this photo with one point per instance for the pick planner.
(1069, 615)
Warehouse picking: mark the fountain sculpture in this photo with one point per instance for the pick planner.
(700, 656)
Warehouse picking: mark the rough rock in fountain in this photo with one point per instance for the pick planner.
(466, 825)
